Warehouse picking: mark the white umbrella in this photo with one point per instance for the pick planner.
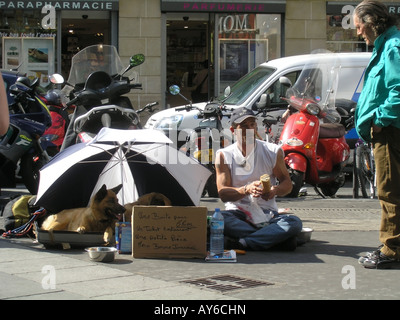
(142, 160)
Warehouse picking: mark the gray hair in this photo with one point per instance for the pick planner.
(375, 14)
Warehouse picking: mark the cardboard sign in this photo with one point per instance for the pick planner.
(169, 232)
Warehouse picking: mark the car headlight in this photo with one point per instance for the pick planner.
(169, 123)
(313, 108)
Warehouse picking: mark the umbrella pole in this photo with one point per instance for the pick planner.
(122, 177)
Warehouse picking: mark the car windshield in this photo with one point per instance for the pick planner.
(246, 85)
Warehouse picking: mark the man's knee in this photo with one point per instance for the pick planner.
(291, 224)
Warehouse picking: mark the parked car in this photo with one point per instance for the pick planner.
(178, 122)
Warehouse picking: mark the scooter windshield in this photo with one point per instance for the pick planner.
(94, 58)
(317, 85)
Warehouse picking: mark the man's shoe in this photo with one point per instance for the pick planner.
(370, 255)
(230, 243)
(380, 261)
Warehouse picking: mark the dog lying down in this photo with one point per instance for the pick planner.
(101, 215)
(150, 199)
(103, 210)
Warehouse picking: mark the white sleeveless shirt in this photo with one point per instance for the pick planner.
(248, 169)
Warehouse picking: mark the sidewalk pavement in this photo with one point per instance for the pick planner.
(324, 268)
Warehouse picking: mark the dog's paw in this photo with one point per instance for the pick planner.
(66, 246)
(81, 230)
(107, 236)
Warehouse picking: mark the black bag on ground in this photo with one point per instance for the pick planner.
(18, 211)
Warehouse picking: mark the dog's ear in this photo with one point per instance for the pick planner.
(102, 193)
(117, 188)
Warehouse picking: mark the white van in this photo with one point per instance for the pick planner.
(246, 92)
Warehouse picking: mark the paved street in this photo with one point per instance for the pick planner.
(324, 268)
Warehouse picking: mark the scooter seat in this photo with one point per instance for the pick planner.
(331, 130)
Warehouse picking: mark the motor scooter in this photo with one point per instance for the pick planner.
(53, 137)
(99, 82)
(110, 116)
(313, 139)
(209, 136)
(203, 142)
(29, 118)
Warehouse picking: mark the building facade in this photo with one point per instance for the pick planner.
(176, 36)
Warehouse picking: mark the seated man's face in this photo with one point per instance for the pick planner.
(246, 130)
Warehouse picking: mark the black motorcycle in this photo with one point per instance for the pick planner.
(110, 116)
(99, 83)
(209, 136)
(29, 118)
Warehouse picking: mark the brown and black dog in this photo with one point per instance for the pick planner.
(100, 216)
(149, 199)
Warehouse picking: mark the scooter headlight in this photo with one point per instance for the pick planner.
(294, 142)
(169, 123)
(204, 156)
(313, 108)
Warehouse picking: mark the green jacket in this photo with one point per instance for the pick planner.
(379, 102)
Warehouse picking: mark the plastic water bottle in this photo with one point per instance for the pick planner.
(217, 234)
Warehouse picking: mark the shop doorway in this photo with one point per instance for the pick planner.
(188, 48)
(81, 29)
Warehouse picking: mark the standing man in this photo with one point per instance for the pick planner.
(239, 167)
(378, 120)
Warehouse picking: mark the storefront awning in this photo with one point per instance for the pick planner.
(223, 6)
(111, 5)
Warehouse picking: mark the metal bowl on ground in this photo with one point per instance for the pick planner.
(305, 235)
(102, 254)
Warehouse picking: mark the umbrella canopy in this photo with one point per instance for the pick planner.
(142, 160)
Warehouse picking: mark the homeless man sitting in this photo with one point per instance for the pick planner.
(251, 214)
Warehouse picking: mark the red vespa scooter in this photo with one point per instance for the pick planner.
(315, 152)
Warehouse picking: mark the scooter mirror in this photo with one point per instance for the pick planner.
(56, 78)
(174, 89)
(136, 60)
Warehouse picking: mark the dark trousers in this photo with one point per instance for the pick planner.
(280, 228)
(387, 162)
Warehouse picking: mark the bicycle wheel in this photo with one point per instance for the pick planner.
(355, 176)
(365, 171)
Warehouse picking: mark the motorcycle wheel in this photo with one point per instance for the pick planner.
(330, 189)
(365, 171)
(211, 185)
(297, 178)
(30, 165)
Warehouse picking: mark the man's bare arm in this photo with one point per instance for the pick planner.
(224, 182)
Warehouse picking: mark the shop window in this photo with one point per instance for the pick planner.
(342, 39)
(187, 53)
(20, 24)
(81, 29)
(245, 41)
